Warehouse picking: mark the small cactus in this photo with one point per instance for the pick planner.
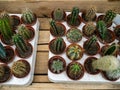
(2, 51)
(58, 14)
(74, 35)
(2, 71)
(28, 16)
(90, 14)
(109, 16)
(89, 29)
(57, 29)
(106, 63)
(57, 66)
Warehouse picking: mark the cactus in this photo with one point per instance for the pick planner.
(57, 29)
(106, 63)
(28, 16)
(74, 35)
(2, 71)
(89, 28)
(74, 52)
(24, 32)
(102, 29)
(57, 66)
(58, 14)
(117, 32)
(74, 15)
(109, 16)
(2, 51)
(90, 14)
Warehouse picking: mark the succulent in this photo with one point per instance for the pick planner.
(89, 29)
(2, 51)
(109, 16)
(74, 52)
(2, 72)
(102, 29)
(28, 16)
(57, 29)
(106, 63)
(24, 32)
(74, 35)
(90, 14)
(57, 66)
(58, 14)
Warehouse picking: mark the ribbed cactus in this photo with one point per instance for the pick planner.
(89, 28)
(74, 52)
(106, 63)
(58, 14)
(2, 51)
(24, 32)
(102, 29)
(90, 14)
(109, 16)
(74, 35)
(74, 15)
(57, 29)
(28, 16)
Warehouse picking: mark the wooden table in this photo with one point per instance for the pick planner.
(43, 10)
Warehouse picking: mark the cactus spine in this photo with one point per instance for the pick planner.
(2, 51)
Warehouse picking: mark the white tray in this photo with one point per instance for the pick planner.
(87, 77)
(29, 78)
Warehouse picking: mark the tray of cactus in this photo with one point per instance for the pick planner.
(18, 46)
(84, 46)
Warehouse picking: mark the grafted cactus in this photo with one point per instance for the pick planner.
(2, 51)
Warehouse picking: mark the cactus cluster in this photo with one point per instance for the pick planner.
(90, 14)
(57, 29)
(74, 35)
(89, 29)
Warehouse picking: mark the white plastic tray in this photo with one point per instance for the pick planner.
(87, 78)
(29, 78)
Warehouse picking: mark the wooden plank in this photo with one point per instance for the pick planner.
(44, 8)
(43, 48)
(44, 23)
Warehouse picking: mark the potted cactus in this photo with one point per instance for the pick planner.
(23, 48)
(74, 52)
(56, 64)
(89, 15)
(6, 29)
(57, 29)
(117, 32)
(104, 35)
(28, 17)
(75, 71)
(91, 46)
(5, 73)
(20, 68)
(74, 19)
(89, 29)
(88, 66)
(58, 14)
(74, 35)
(57, 45)
(27, 32)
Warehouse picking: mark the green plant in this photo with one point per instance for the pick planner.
(106, 63)
(109, 16)
(58, 14)
(2, 72)
(2, 51)
(102, 29)
(90, 14)
(89, 28)
(57, 66)
(74, 15)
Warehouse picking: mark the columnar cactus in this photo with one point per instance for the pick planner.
(2, 52)
(90, 14)
(89, 29)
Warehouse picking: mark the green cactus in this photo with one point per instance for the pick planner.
(106, 63)
(102, 29)
(74, 52)
(90, 14)
(2, 71)
(57, 29)
(58, 14)
(74, 35)
(2, 51)
(109, 16)
(28, 16)
(57, 66)
(24, 32)
(74, 15)
(89, 28)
